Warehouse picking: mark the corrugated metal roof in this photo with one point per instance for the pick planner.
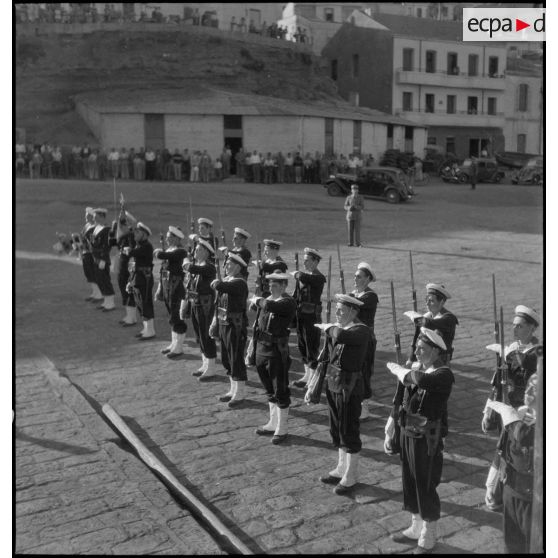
(206, 101)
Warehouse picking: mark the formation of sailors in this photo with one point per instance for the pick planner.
(208, 285)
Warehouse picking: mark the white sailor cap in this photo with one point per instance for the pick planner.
(272, 243)
(437, 289)
(368, 269)
(245, 234)
(206, 245)
(528, 314)
(349, 300)
(143, 228)
(89, 211)
(100, 210)
(433, 338)
(205, 221)
(313, 252)
(278, 276)
(237, 259)
(176, 231)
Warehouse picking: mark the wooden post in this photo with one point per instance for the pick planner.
(537, 513)
(191, 501)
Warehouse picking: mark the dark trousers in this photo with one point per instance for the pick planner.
(174, 298)
(368, 368)
(417, 496)
(344, 423)
(102, 278)
(517, 522)
(143, 288)
(308, 338)
(88, 264)
(200, 321)
(150, 167)
(273, 366)
(353, 230)
(123, 278)
(233, 350)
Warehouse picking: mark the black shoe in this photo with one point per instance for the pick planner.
(126, 324)
(359, 245)
(138, 335)
(174, 356)
(165, 351)
(341, 489)
(235, 404)
(96, 300)
(109, 309)
(197, 373)
(89, 298)
(422, 550)
(262, 432)
(142, 338)
(278, 438)
(206, 378)
(99, 307)
(225, 398)
(299, 384)
(330, 479)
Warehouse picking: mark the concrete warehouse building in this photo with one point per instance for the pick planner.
(203, 118)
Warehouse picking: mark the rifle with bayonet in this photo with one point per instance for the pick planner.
(413, 290)
(503, 363)
(341, 274)
(223, 238)
(259, 285)
(214, 326)
(400, 391)
(315, 387)
(250, 358)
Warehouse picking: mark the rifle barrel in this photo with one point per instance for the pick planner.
(328, 304)
(341, 274)
(396, 333)
(413, 290)
(496, 323)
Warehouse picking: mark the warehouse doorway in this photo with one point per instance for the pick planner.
(232, 132)
(154, 130)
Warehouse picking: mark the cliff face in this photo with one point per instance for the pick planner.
(50, 69)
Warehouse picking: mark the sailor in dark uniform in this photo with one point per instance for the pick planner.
(308, 296)
(202, 299)
(100, 248)
(347, 343)
(172, 288)
(272, 262)
(87, 260)
(423, 417)
(272, 353)
(141, 280)
(521, 364)
(517, 449)
(205, 232)
(366, 314)
(239, 247)
(123, 237)
(233, 324)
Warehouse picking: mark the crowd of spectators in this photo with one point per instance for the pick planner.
(88, 13)
(85, 162)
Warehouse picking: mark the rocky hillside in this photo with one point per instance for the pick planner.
(50, 69)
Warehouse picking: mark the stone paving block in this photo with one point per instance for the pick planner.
(278, 538)
(314, 528)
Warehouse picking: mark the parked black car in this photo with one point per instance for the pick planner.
(531, 173)
(389, 183)
(487, 170)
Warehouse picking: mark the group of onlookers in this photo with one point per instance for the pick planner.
(86, 162)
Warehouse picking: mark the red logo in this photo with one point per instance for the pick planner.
(519, 25)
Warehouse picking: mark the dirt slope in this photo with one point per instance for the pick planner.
(50, 69)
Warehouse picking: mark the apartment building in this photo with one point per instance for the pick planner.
(424, 73)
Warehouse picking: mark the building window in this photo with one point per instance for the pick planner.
(492, 66)
(491, 108)
(429, 102)
(328, 14)
(408, 59)
(451, 104)
(419, 12)
(450, 145)
(355, 65)
(472, 105)
(431, 140)
(407, 101)
(334, 70)
(523, 97)
(431, 61)
(328, 136)
(357, 136)
(457, 13)
(389, 143)
(521, 142)
(473, 65)
(445, 12)
(453, 68)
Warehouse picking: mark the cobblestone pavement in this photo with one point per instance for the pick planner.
(80, 490)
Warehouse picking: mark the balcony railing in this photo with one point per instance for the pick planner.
(453, 74)
(442, 78)
(457, 112)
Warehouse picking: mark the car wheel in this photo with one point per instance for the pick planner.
(392, 196)
(462, 178)
(536, 179)
(497, 178)
(334, 189)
